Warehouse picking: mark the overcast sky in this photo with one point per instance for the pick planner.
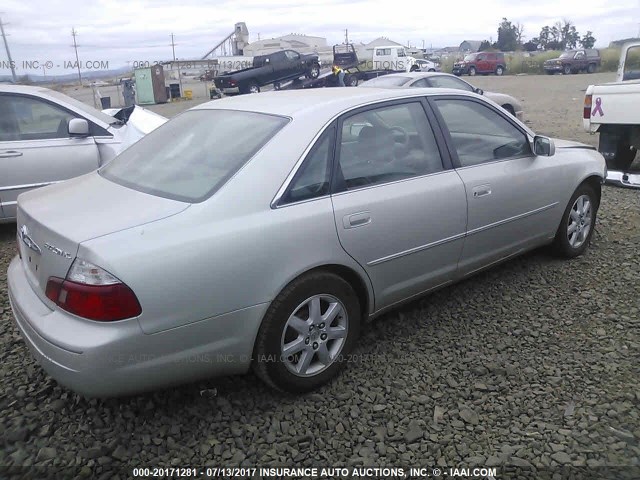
(118, 32)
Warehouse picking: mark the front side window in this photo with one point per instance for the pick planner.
(194, 154)
(386, 144)
(386, 81)
(313, 178)
(480, 134)
(291, 55)
(28, 118)
(422, 83)
(450, 82)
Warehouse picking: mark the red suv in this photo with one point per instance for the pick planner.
(481, 62)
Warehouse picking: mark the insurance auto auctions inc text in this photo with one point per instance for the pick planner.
(357, 472)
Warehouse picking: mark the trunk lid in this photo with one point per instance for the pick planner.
(53, 221)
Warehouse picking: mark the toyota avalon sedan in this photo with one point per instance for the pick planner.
(261, 231)
(444, 80)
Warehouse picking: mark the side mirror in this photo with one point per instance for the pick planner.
(543, 146)
(479, 91)
(78, 127)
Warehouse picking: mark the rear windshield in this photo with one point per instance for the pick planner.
(194, 154)
(386, 81)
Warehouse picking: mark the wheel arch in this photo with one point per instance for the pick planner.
(595, 182)
(353, 278)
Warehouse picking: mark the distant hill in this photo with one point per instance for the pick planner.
(69, 77)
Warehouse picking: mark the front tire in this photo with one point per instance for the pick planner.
(306, 333)
(567, 70)
(472, 71)
(578, 222)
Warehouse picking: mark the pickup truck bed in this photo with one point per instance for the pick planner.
(611, 110)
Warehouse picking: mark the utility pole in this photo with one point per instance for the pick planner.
(346, 36)
(6, 46)
(75, 46)
(173, 47)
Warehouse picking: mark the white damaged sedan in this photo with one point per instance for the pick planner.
(261, 231)
(47, 137)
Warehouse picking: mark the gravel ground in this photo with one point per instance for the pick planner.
(530, 367)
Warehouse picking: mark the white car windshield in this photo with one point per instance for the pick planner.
(190, 157)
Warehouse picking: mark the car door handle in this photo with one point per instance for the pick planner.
(356, 219)
(481, 191)
(10, 154)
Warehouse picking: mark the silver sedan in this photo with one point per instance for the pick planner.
(261, 231)
(444, 80)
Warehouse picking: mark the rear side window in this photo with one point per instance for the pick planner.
(193, 155)
(313, 178)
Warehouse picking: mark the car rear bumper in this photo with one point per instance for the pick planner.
(230, 90)
(100, 359)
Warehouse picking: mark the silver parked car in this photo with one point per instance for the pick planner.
(262, 230)
(444, 80)
(47, 137)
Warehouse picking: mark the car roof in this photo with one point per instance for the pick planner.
(328, 101)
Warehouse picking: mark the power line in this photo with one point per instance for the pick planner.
(6, 46)
(75, 46)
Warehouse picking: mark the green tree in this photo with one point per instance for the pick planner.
(485, 45)
(532, 45)
(545, 37)
(507, 36)
(588, 40)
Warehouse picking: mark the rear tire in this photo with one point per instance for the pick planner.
(499, 70)
(591, 68)
(577, 224)
(314, 71)
(301, 345)
(252, 87)
(351, 81)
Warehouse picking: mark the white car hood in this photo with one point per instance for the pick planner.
(140, 122)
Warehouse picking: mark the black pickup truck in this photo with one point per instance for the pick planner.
(274, 68)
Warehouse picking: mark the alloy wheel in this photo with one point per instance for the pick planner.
(314, 335)
(579, 222)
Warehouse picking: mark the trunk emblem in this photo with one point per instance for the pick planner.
(26, 239)
(57, 251)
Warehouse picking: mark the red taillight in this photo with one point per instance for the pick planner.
(104, 303)
(586, 114)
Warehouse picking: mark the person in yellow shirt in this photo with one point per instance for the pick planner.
(339, 76)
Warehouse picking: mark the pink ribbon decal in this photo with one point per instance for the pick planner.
(597, 108)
